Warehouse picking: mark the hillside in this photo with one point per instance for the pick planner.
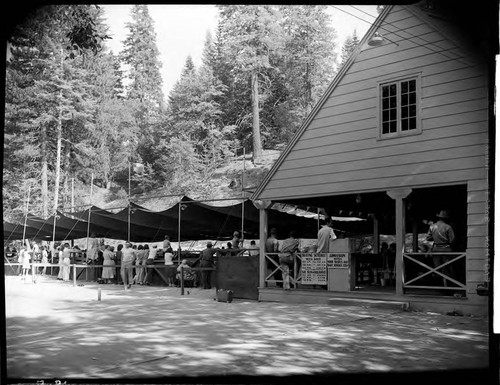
(226, 183)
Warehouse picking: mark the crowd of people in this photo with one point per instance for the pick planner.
(131, 264)
(127, 264)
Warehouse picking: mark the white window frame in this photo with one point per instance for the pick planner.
(399, 132)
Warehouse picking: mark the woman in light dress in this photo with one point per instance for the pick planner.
(66, 261)
(60, 262)
(26, 262)
(108, 273)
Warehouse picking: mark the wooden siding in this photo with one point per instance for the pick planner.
(341, 152)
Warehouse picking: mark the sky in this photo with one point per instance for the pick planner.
(181, 31)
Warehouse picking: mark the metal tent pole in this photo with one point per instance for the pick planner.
(26, 216)
(243, 197)
(88, 224)
(128, 218)
(179, 234)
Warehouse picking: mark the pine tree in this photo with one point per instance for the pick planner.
(309, 64)
(141, 55)
(251, 35)
(350, 44)
(45, 67)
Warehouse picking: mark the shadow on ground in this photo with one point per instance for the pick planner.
(55, 330)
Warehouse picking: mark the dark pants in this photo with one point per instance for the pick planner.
(206, 275)
(149, 271)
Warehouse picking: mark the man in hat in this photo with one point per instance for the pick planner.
(207, 260)
(441, 233)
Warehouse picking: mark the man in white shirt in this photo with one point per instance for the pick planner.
(324, 235)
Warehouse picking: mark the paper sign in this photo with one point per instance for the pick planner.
(338, 260)
(314, 269)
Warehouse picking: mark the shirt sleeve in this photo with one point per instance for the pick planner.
(451, 235)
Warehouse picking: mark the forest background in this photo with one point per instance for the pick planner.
(77, 113)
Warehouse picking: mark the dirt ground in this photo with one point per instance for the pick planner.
(57, 331)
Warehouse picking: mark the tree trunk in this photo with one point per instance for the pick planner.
(257, 144)
(59, 139)
(66, 192)
(58, 158)
(44, 176)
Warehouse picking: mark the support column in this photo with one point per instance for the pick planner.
(262, 246)
(398, 195)
(376, 235)
(263, 224)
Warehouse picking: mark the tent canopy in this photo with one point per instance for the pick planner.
(197, 221)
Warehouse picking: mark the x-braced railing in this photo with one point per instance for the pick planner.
(453, 258)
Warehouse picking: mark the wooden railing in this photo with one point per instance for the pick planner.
(443, 271)
(295, 272)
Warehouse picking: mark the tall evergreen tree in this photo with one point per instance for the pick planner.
(251, 35)
(45, 67)
(309, 64)
(350, 44)
(141, 58)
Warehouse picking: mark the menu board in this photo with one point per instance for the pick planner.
(314, 269)
(338, 260)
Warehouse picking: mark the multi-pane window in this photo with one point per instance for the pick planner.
(399, 107)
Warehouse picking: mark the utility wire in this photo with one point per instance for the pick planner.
(402, 37)
(410, 38)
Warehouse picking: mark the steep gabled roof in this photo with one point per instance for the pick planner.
(343, 70)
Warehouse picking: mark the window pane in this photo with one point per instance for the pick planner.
(392, 89)
(393, 102)
(404, 87)
(404, 112)
(393, 126)
(385, 91)
(393, 114)
(413, 98)
(413, 123)
(385, 116)
(413, 110)
(413, 85)
(385, 104)
(404, 100)
(385, 128)
(404, 125)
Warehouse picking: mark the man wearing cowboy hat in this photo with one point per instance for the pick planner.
(443, 236)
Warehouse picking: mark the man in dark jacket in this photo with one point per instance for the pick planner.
(207, 260)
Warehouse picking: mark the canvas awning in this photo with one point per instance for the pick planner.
(199, 221)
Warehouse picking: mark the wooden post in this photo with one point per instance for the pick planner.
(262, 246)
(376, 235)
(182, 280)
(262, 205)
(415, 235)
(398, 195)
(74, 275)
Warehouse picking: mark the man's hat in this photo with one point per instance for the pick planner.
(443, 214)
(209, 244)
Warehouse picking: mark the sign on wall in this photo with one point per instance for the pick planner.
(314, 269)
(338, 260)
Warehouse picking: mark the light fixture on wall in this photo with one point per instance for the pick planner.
(376, 40)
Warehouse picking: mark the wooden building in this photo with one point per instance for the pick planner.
(401, 133)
